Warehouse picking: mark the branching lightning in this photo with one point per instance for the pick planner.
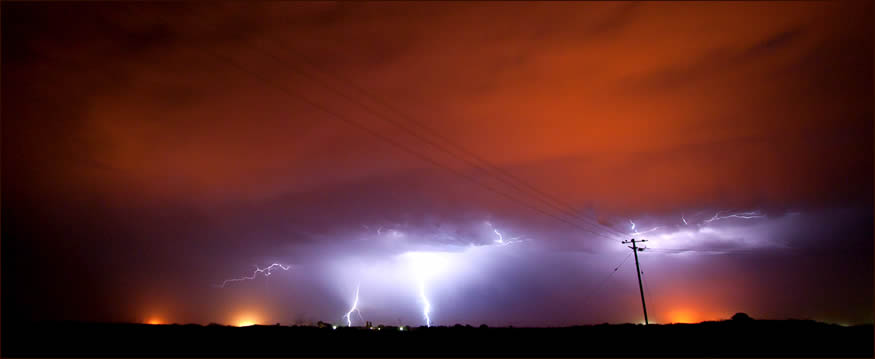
(354, 308)
(501, 241)
(636, 233)
(743, 215)
(266, 272)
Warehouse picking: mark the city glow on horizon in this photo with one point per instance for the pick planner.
(245, 323)
(683, 316)
(246, 319)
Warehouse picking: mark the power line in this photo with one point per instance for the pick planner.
(601, 285)
(479, 162)
(699, 250)
(433, 132)
(387, 139)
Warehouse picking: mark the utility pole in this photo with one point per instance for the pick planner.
(635, 250)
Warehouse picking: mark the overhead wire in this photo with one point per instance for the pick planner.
(385, 138)
(478, 161)
(601, 285)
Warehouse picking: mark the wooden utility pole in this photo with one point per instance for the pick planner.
(635, 250)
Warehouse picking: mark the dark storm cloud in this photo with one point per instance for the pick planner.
(145, 162)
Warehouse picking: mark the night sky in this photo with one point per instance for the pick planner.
(151, 151)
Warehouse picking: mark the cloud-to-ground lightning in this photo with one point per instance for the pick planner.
(426, 305)
(266, 272)
(354, 308)
(424, 266)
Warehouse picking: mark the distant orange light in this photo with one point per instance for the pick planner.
(683, 316)
(154, 321)
(246, 320)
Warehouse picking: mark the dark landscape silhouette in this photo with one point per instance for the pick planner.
(740, 336)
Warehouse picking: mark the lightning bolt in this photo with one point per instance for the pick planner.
(742, 215)
(684, 219)
(423, 266)
(354, 308)
(266, 272)
(500, 239)
(636, 233)
(426, 305)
